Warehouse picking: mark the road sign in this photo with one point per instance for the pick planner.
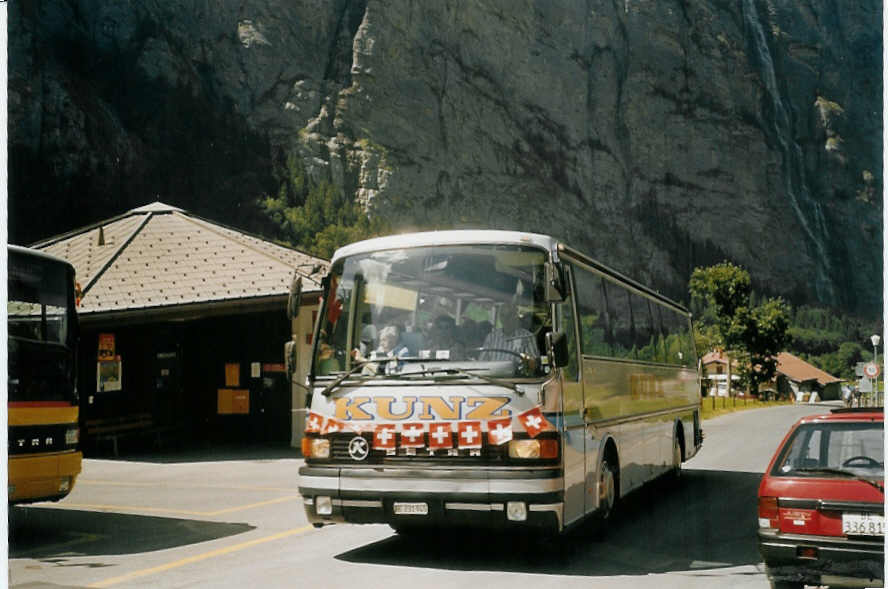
(871, 370)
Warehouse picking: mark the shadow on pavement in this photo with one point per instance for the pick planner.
(709, 520)
(201, 452)
(48, 534)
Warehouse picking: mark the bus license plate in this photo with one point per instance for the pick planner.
(863, 524)
(411, 509)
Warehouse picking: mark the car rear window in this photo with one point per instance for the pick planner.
(853, 447)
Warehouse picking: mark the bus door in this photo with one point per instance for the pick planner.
(574, 438)
(596, 383)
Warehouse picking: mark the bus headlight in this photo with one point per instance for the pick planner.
(544, 448)
(72, 436)
(315, 448)
(524, 449)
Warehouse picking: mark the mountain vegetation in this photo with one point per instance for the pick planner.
(752, 334)
(315, 216)
(729, 318)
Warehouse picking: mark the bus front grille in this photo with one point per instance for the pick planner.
(486, 455)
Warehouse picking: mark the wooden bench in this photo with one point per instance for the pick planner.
(113, 428)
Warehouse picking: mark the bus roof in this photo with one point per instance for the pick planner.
(38, 254)
(450, 237)
(490, 236)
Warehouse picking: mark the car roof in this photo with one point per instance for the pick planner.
(845, 415)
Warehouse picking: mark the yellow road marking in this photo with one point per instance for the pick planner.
(138, 508)
(198, 557)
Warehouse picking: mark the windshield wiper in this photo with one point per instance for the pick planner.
(360, 365)
(840, 472)
(469, 373)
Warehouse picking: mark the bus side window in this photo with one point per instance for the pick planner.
(645, 341)
(675, 326)
(567, 325)
(622, 321)
(592, 310)
(660, 332)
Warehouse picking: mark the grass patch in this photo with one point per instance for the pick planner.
(715, 406)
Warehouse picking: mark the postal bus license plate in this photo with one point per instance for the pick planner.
(411, 508)
(863, 524)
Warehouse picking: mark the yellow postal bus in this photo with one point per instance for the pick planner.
(490, 378)
(44, 459)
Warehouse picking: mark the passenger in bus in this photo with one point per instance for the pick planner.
(468, 333)
(368, 340)
(443, 339)
(511, 336)
(389, 342)
(484, 328)
(327, 362)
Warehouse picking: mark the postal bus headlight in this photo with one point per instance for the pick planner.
(544, 448)
(315, 448)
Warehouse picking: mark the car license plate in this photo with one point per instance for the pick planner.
(863, 524)
(411, 509)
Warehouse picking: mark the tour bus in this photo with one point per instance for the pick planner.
(44, 458)
(493, 379)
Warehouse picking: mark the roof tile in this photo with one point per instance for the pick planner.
(160, 255)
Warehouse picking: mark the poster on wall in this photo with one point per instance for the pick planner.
(106, 346)
(109, 375)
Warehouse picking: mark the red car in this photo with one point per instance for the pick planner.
(821, 503)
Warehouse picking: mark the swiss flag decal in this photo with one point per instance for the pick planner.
(412, 435)
(332, 426)
(469, 434)
(440, 436)
(314, 423)
(534, 422)
(499, 431)
(384, 437)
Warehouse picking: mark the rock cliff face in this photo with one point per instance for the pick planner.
(656, 135)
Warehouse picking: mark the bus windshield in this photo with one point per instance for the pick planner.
(41, 328)
(473, 307)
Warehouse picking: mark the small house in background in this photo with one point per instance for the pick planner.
(182, 328)
(715, 365)
(795, 378)
(799, 379)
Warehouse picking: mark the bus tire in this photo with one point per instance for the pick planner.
(608, 485)
(677, 453)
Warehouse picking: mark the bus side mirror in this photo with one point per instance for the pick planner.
(556, 342)
(295, 299)
(554, 284)
(290, 358)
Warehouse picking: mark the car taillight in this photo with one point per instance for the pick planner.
(768, 513)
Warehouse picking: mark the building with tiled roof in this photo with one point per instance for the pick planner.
(715, 365)
(191, 315)
(802, 378)
(794, 377)
(162, 258)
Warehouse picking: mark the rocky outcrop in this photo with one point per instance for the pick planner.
(658, 136)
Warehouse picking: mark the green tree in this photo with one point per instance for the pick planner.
(315, 216)
(754, 334)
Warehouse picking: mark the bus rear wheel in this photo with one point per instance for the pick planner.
(676, 457)
(607, 490)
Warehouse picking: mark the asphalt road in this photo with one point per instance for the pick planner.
(217, 518)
